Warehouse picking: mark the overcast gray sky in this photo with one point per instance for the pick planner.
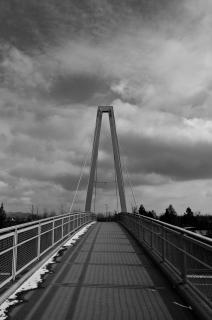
(150, 59)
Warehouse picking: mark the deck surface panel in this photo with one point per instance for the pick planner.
(105, 276)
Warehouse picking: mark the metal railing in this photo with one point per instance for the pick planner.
(22, 245)
(184, 254)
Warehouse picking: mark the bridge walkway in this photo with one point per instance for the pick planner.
(105, 276)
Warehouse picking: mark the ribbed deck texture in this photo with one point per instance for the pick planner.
(102, 278)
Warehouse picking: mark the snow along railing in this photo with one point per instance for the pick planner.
(184, 256)
(22, 245)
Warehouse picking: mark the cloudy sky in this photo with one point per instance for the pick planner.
(150, 59)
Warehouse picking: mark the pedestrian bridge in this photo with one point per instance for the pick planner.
(134, 268)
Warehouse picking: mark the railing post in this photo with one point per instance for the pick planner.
(76, 220)
(53, 227)
(39, 236)
(15, 243)
(143, 229)
(151, 238)
(62, 224)
(69, 224)
(137, 227)
(184, 260)
(163, 243)
(140, 229)
(72, 222)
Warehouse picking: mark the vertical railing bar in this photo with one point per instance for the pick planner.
(42, 238)
(39, 240)
(184, 259)
(62, 224)
(163, 244)
(69, 224)
(14, 264)
(53, 229)
(151, 235)
(76, 216)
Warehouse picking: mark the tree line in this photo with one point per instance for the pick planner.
(188, 220)
(7, 221)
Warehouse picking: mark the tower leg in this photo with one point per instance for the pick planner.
(93, 161)
(117, 161)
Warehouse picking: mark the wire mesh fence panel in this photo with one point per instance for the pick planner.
(45, 241)
(58, 222)
(157, 239)
(189, 255)
(80, 219)
(6, 242)
(46, 226)
(23, 244)
(6, 257)
(26, 253)
(57, 233)
(75, 221)
(173, 250)
(199, 266)
(6, 264)
(200, 276)
(201, 252)
(27, 234)
(147, 236)
(136, 228)
(65, 226)
(71, 223)
(174, 257)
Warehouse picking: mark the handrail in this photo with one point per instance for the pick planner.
(173, 227)
(26, 224)
(23, 244)
(186, 257)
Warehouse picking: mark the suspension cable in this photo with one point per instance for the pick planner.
(94, 201)
(79, 180)
(130, 184)
(124, 166)
(117, 200)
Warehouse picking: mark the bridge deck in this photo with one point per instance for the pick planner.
(105, 276)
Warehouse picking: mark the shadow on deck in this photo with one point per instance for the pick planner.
(107, 275)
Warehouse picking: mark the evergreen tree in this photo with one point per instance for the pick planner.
(170, 215)
(142, 210)
(188, 218)
(152, 214)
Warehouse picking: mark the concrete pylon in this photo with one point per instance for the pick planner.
(117, 161)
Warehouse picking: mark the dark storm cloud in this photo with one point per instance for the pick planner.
(69, 182)
(32, 24)
(179, 161)
(77, 88)
(58, 59)
(65, 180)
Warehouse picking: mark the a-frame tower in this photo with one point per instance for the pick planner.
(117, 161)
